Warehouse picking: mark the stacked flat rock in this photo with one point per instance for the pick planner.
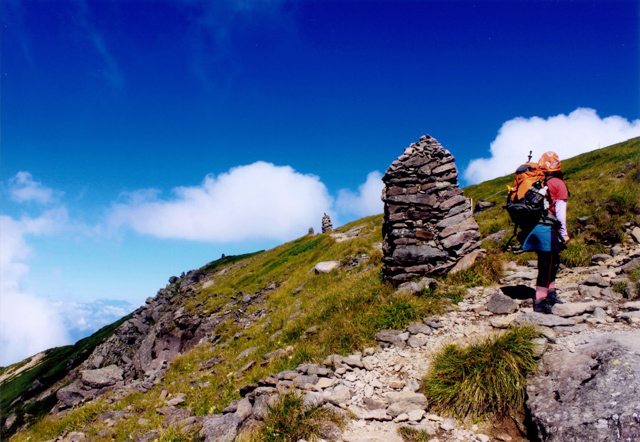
(427, 225)
(327, 227)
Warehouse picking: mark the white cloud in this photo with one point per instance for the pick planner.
(84, 318)
(567, 135)
(14, 248)
(257, 201)
(368, 199)
(29, 326)
(28, 323)
(23, 189)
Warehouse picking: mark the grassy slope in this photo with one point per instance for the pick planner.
(347, 307)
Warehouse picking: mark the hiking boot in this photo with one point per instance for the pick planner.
(552, 298)
(542, 306)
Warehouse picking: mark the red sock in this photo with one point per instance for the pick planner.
(541, 293)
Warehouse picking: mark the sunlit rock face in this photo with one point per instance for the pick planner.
(428, 225)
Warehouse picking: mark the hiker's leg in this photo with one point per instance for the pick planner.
(552, 296)
(547, 269)
(555, 265)
(541, 304)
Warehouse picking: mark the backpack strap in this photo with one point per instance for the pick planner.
(515, 232)
(547, 218)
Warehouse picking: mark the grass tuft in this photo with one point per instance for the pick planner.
(634, 275)
(409, 434)
(289, 420)
(399, 311)
(178, 434)
(482, 273)
(487, 377)
(577, 254)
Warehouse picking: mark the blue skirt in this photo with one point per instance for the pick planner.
(542, 238)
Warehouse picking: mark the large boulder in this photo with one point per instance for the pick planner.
(102, 377)
(405, 402)
(591, 394)
(70, 395)
(326, 266)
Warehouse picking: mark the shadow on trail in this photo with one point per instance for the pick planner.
(518, 291)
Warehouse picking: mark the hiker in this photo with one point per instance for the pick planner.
(550, 235)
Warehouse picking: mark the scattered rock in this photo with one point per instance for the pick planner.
(577, 308)
(220, 427)
(544, 320)
(501, 304)
(419, 328)
(468, 260)
(326, 266)
(102, 377)
(483, 205)
(411, 288)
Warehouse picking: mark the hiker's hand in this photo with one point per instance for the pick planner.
(565, 239)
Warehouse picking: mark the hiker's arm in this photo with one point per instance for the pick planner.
(561, 215)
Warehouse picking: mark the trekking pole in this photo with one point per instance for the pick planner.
(530, 155)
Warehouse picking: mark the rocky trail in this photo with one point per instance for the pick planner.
(380, 387)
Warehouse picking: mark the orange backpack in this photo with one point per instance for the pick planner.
(528, 199)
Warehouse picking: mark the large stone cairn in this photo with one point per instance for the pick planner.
(327, 227)
(427, 225)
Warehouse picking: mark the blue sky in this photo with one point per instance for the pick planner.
(141, 139)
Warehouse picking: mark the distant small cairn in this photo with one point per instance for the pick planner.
(327, 227)
(311, 231)
(427, 226)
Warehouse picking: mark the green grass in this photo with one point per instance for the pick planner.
(440, 296)
(482, 273)
(289, 420)
(578, 254)
(227, 260)
(175, 434)
(484, 378)
(409, 434)
(634, 276)
(76, 420)
(619, 287)
(399, 311)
